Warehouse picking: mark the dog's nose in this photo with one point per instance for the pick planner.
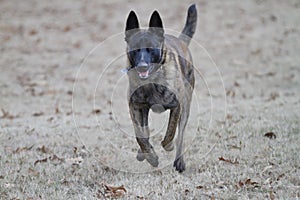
(142, 64)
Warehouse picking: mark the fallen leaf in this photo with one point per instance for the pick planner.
(114, 192)
(75, 150)
(7, 115)
(70, 79)
(33, 32)
(96, 111)
(57, 111)
(270, 135)
(33, 172)
(65, 182)
(236, 84)
(234, 147)
(267, 181)
(40, 161)
(75, 161)
(67, 28)
(256, 52)
(235, 162)
(56, 158)
(230, 93)
(231, 137)
(100, 194)
(271, 74)
(43, 149)
(229, 116)
(50, 119)
(289, 77)
(6, 37)
(241, 183)
(249, 182)
(51, 158)
(186, 191)
(280, 176)
(37, 114)
(271, 163)
(77, 44)
(272, 196)
(246, 182)
(273, 96)
(273, 18)
(18, 150)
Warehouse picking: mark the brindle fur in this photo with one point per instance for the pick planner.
(169, 87)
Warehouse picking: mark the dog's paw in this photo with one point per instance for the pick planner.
(179, 164)
(168, 147)
(140, 155)
(152, 158)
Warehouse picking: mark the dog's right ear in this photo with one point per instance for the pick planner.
(156, 25)
(131, 24)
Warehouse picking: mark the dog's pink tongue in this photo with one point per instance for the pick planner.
(143, 74)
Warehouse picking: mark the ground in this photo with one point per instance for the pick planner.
(65, 131)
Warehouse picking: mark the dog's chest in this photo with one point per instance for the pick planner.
(154, 96)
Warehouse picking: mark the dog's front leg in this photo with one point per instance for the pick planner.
(167, 143)
(139, 116)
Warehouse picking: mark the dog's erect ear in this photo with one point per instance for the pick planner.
(131, 24)
(155, 20)
(156, 24)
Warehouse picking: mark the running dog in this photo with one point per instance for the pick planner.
(161, 77)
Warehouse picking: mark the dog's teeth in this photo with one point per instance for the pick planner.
(144, 74)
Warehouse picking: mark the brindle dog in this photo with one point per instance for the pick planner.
(161, 77)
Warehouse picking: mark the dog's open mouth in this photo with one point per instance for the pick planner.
(145, 72)
(144, 75)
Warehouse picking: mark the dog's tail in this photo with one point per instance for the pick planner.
(190, 25)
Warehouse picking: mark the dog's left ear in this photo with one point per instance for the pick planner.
(132, 24)
(156, 24)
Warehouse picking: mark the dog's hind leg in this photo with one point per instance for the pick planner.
(139, 118)
(167, 143)
(179, 163)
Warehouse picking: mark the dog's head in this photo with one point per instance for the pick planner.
(144, 47)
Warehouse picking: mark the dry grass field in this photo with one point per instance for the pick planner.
(65, 131)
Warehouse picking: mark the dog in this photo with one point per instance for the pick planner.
(161, 77)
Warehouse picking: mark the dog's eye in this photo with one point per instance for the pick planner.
(155, 55)
(134, 52)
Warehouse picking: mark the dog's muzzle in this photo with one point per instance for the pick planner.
(143, 69)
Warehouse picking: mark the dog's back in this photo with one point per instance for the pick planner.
(179, 50)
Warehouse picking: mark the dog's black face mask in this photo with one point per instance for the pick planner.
(144, 47)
